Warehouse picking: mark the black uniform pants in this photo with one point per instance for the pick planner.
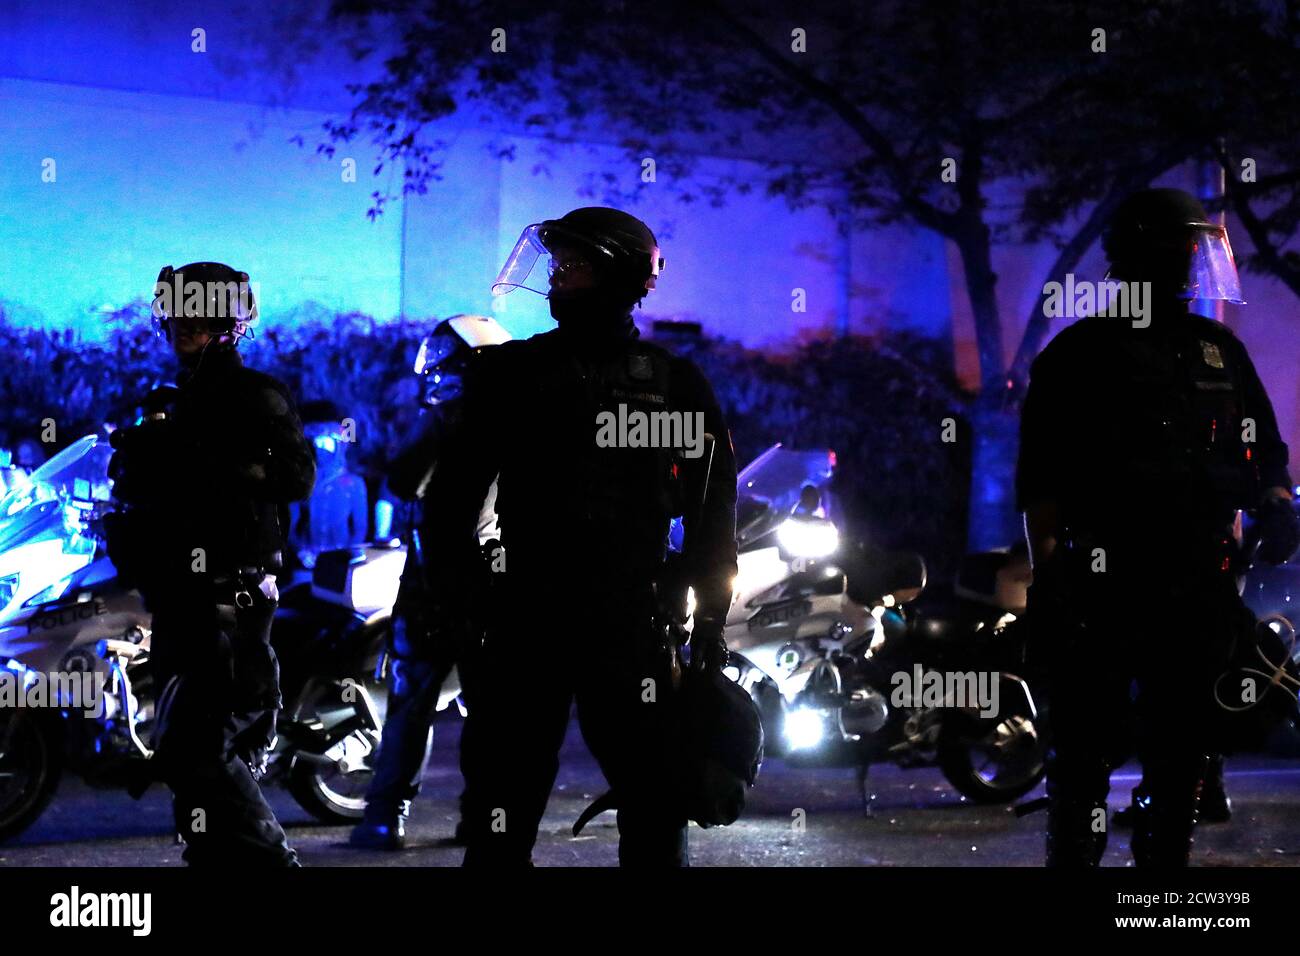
(536, 664)
(216, 714)
(416, 678)
(1135, 672)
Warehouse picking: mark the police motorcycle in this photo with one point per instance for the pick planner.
(848, 666)
(64, 612)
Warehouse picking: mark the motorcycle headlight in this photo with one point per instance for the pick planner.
(8, 588)
(808, 537)
(805, 728)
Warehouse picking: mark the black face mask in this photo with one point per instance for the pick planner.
(190, 360)
(590, 310)
(216, 350)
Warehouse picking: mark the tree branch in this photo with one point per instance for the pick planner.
(1268, 252)
(924, 212)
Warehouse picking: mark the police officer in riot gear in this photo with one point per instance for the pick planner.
(1141, 439)
(204, 482)
(577, 605)
(419, 663)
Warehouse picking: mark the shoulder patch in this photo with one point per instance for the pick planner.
(640, 368)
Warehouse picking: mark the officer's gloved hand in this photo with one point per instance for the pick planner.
(255, 743)
(144, 462)
(160, 402)
(1279, 529)
(708, 648)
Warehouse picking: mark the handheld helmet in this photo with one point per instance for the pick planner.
(721, 742)
(1165, 237)
(203, 297)
(620, 251)
(719, 751)
(443, 354)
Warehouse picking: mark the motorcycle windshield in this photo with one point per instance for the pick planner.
(769, 488)
(79, 473)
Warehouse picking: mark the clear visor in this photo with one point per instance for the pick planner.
(548, 240)
(1212, 272)
(434, 350)
(519, 266)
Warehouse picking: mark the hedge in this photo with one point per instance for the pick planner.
(880, 404)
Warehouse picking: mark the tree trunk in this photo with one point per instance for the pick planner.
(993, 519)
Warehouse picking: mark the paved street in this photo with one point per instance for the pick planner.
(917, 820)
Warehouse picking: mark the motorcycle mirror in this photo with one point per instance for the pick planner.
(872, 574)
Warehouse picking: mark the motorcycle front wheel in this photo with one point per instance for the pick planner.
(30, 767)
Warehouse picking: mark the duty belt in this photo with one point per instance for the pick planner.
(243, 581)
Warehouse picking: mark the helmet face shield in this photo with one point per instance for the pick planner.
(569, 249)
(519, 265)
(1212, 271)
(440, 363)
(434, 350)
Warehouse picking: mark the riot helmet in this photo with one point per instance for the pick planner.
(1165, 237)
(600, 260)
(443, 354)
(721, 743)
(203, 298)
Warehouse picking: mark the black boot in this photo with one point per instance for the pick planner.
(1076, 834)
(1127, 817)
(1214, 806)
(382, 830)
(1162, 837)
(1077, 786)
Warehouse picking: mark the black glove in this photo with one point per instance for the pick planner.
(160, 402)
(254, 744)
(708, 647)
(145, 462)
(1279, 530)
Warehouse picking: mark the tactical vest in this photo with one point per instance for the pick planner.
(1164, 448)
(567, 492)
